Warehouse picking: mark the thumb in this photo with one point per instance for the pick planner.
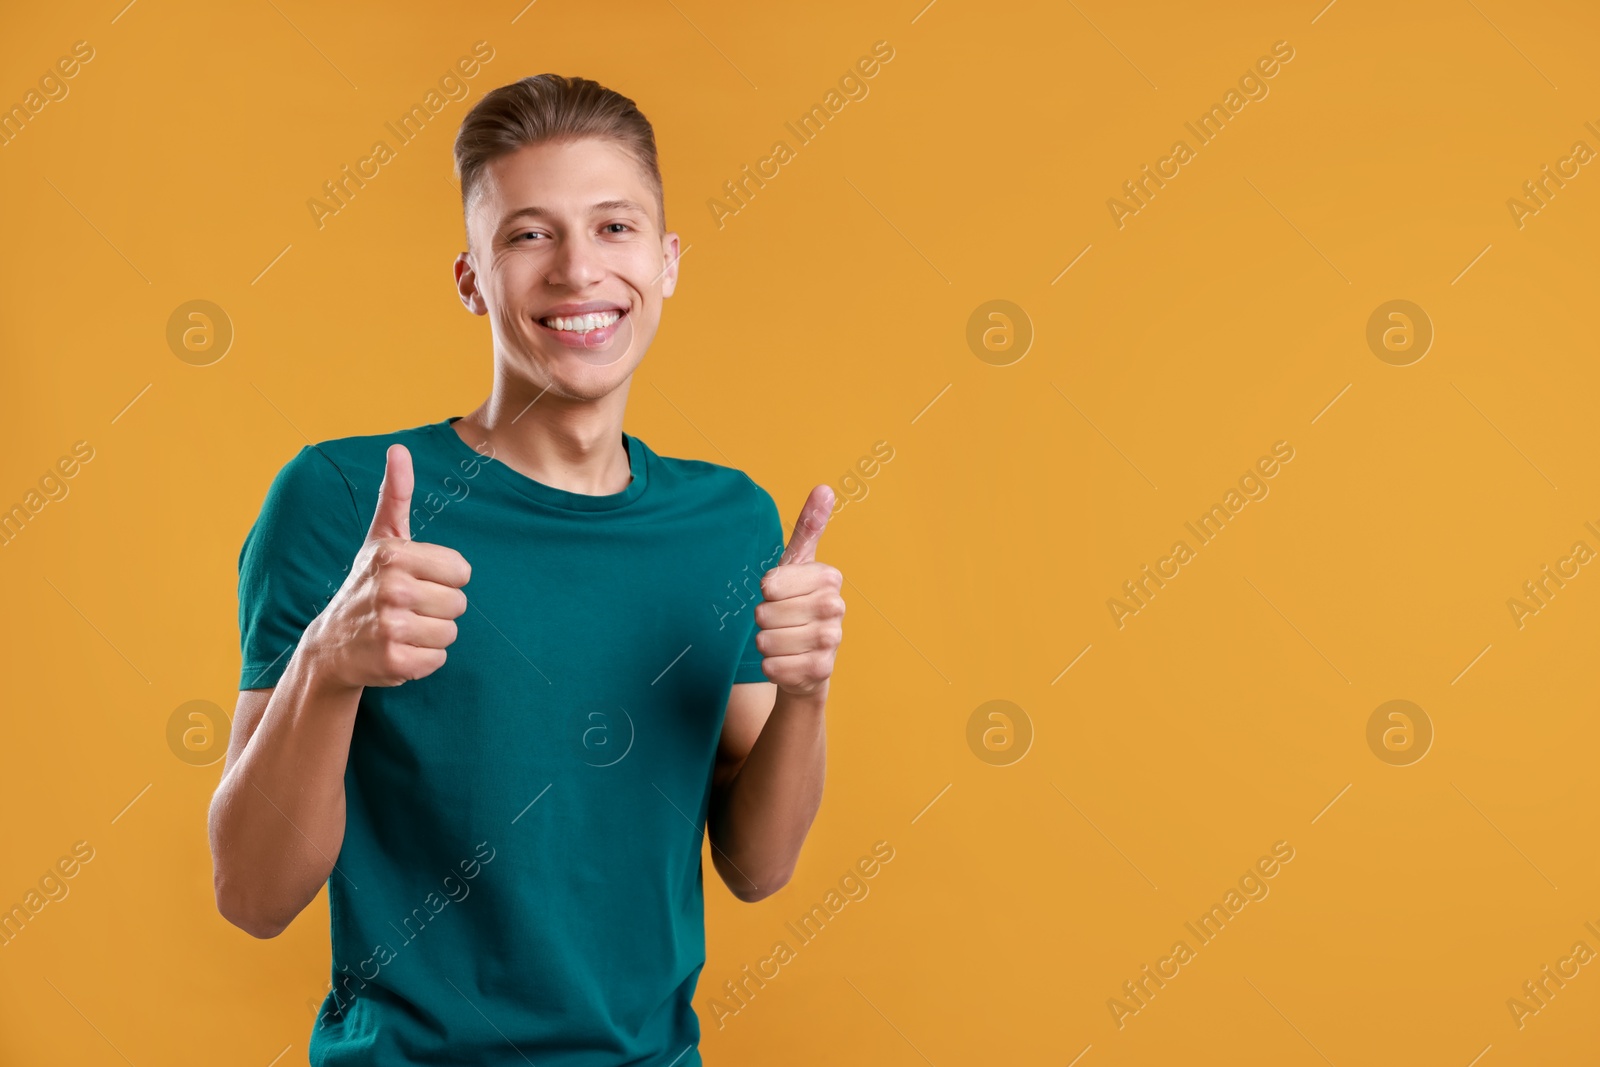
(808, 527)
(393, 517)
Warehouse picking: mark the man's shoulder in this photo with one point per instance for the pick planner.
(337, 468)
(360, 450)
(716, 480)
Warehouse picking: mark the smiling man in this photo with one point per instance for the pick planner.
(492, 690)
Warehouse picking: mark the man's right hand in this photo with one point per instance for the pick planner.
(395, 615)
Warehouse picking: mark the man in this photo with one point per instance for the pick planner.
(506, 791)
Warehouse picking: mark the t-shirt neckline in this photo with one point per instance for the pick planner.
(548, 494)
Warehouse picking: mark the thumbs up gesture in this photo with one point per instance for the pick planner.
(799, 619)
(395, 615)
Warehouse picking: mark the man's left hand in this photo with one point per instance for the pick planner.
(800, 617)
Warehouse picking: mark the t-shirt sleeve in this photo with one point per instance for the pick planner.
(293, 560)
(768, 549)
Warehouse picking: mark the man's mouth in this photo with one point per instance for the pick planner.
(581, 324)
(590, 332)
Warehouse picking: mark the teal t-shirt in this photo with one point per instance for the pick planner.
(520, 879)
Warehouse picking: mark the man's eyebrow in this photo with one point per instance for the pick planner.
(534, 211)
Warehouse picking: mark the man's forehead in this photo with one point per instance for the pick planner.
(596, 178)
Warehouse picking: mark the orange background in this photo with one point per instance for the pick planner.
(830, 313)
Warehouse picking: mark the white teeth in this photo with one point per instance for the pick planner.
(582, 323)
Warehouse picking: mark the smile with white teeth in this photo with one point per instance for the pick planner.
(582, 323)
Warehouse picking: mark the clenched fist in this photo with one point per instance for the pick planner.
(800, 617)
(395, 615)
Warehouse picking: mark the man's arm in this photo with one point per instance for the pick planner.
(766, 786)
(277, 820)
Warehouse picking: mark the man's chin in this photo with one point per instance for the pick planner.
(568, 374)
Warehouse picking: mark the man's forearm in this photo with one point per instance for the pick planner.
(277, 819)
(766, 811)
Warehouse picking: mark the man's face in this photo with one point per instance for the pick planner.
(567, 231)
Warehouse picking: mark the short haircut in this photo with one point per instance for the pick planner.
(550, 107)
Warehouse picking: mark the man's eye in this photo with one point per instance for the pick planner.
(624, 225)
(520, 236)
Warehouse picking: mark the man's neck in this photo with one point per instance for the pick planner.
(572, 446)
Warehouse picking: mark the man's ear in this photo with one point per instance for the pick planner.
(670, 257)
(467, 285)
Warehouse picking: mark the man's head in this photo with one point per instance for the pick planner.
(562, 198)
